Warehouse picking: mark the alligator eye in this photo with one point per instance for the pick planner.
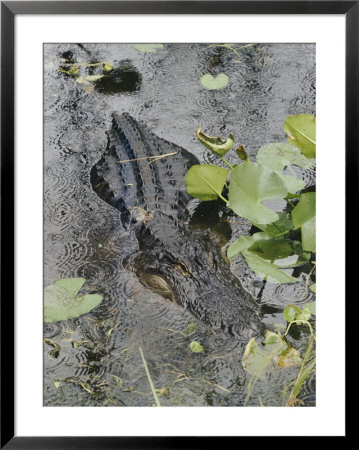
(183, 268)
(157, 283)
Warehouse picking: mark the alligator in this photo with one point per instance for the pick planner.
(143, 177)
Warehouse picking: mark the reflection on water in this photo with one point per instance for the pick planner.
(99, 363)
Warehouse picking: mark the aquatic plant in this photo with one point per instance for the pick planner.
(275, 247)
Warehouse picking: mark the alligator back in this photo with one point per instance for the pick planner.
(141, 170)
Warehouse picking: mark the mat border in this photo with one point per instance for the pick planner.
(8, 12)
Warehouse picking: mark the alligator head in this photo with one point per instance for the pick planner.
(186, 266)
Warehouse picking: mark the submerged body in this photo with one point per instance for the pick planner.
(143, 176)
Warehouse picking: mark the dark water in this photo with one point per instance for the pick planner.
(99, 363)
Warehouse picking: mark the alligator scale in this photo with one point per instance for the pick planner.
(148, 188)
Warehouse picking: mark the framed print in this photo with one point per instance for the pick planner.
(162, 199)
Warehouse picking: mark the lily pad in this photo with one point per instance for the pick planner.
(216, 144)
(294, 184)
(275, 353)
(205, 181)
(313, 287)
(267, 270)
(301, 133)
(61, 301)
(251, 184)
(244, 242)
(303, 216)
(290, 312)
(213, 83)
(195, 347)
(283, 224)
(277, 156)
(147, 48)
(312, 307)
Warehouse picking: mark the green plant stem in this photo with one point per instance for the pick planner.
(226, 162)
(299, 322)
(150, 379)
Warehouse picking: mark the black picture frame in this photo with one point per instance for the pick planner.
(9, 10)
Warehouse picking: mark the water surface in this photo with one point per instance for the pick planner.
(99, 363)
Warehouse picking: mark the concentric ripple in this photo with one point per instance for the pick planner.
(99, 363)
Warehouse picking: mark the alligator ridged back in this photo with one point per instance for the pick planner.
(128, 175)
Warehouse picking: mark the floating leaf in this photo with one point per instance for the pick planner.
(304, 314)
(147, 48)
(294, 184)
(272, 249)
(88, 79)
(243, 243)
(191, 327)
(290, 312)
(279, 155)
(300, 130)
(275, 353)
(288, 358)
(195, 347)
(313, 287)
(266, 269)
(205, 181)
(107, 68)
(303, 216)
(216, 144)
(283, 224)
(61, 302)
(212, 83)
(312, 307)
(251, 184)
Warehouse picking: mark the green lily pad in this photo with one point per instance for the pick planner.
(244, 242)
(147, 48)
(191, 327)
(213, 83)
(61, 301)
(293, 183)
(303, 216)
(205, 181)
(313, 287)
(251, 184)
(195, 347)
(290, 312)
(216, 144)
(301, 133)
(275, 353)
(283, 224)
(267, 270)
(277, 156)
(312, 307)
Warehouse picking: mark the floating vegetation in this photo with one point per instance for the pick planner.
(196, 347)
(213, 83)
(61, 300)
(274, 353)
(147, 48)
(103, 76)
(251, 185)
